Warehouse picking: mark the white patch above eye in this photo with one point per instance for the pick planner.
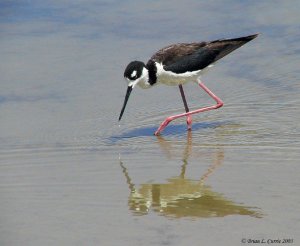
(133, 74)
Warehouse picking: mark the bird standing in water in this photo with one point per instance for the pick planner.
(178, 64)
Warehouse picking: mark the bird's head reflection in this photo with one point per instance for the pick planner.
(183, 197)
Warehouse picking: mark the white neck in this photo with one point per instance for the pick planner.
(143, 80)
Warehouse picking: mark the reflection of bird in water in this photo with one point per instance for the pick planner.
(182, 197)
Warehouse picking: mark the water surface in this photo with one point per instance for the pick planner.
(71, 176)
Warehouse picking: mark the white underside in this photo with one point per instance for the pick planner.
(167, 77)
(170, 78)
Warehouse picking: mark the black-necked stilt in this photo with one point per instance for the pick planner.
(177, 64)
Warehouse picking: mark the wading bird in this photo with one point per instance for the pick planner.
(178, 64)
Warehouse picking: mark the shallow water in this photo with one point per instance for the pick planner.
(70, 175)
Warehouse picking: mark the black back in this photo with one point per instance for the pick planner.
(184, 57)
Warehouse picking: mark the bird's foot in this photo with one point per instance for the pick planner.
(189, 122)
(163, 125)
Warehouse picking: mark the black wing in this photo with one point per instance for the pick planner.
(180, 58)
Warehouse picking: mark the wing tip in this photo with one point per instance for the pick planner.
(247, 38)
(244, 39)
(250, 37)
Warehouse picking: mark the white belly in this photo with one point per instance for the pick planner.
(177, 79)
(170, 78)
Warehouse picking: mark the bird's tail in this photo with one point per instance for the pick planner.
(226, 46)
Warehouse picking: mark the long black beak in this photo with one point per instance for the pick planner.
(129, 89)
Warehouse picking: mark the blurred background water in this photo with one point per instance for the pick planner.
(71, 176)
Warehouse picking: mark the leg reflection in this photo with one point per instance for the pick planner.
(180, 196)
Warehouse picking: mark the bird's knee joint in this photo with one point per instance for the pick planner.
(219, 105)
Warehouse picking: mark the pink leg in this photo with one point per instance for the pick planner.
(209, 92)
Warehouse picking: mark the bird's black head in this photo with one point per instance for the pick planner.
(134, 70)
(134, 75)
